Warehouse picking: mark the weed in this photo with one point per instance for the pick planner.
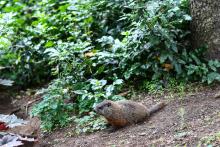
(210, 140)
(89, 123)
(181, 113)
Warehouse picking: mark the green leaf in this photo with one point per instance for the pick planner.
(213, 76)
(177, 66)
(118, 82)
(5, 82)
(163, 57)
(109, 90)
(196, 59)
(80, 92)
(187, 17)
(49, 44)
(191, 69)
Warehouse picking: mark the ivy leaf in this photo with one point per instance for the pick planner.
(213, 76)
(214, 64)
(109, 90)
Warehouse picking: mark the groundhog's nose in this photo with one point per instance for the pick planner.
(95, 109)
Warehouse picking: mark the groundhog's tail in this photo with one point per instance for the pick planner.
(157, 107)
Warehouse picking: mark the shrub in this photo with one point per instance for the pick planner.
(53, 110)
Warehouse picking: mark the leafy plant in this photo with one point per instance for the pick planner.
(94, 92)
(89, 123)
(53, 110)
(207, 72)
(210, 140)
(92, 49)
(152, 87)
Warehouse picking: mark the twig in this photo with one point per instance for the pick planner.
(29, 103)
(15, 110)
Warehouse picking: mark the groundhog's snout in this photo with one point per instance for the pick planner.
(95, 109)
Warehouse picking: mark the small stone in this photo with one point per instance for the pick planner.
(217, 95)
(142, 134)
(18, 97)
(181, 135)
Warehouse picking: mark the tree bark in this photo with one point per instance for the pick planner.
(205, 25)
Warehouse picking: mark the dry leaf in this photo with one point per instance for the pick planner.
(167, 67)
(89, 54)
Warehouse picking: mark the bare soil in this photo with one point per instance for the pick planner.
(190, 119)
(184, 121)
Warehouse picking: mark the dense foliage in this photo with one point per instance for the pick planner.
(93, 48)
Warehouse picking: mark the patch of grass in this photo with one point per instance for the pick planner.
(210, 141)
(171, 88)
(153, 87)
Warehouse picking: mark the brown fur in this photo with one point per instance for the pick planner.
(125, 112)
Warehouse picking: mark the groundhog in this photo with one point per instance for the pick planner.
(125, 112)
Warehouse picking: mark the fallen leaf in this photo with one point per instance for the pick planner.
(3, 126)
(89, 54)
(167, 67)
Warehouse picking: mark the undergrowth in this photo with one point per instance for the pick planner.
(210, 140)
(94, 49)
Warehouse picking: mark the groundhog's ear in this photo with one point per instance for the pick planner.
(109, 104)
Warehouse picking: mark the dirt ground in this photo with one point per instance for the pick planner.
(191, 120)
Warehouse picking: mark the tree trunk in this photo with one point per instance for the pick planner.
(205, 25)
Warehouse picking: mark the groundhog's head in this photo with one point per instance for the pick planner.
(104, 108)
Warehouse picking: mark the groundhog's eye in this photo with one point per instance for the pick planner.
(109, 104)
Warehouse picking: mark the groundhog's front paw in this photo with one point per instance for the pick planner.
(112, 129)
